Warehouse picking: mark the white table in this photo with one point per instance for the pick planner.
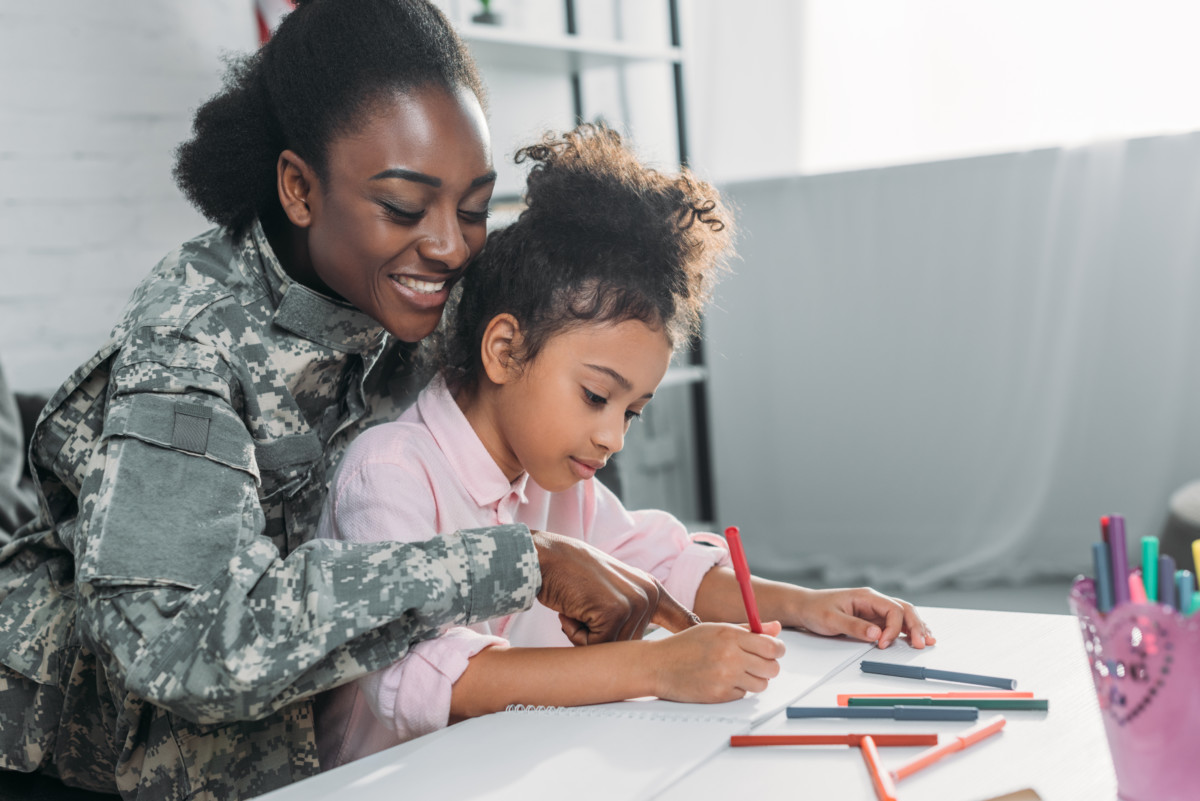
(1061, 754)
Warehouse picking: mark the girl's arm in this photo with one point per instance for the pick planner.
(861, 612)
(708, 663)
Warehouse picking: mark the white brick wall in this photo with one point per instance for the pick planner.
(94, 98)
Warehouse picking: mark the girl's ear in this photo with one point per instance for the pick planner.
(296, 183)
(501, 340)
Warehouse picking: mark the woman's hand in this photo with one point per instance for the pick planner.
(715, 662)
(600, 598)
(861, 613)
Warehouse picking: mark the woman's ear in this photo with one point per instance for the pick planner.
(296, 183)
(501, 340)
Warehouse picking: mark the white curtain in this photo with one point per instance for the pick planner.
(949, 371)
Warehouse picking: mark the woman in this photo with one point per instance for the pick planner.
(167, 620)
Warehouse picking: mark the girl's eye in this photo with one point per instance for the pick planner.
(593, 398)
(631, 415)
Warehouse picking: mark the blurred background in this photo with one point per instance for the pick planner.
(961, 327)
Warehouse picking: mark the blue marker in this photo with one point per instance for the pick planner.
(1166, 581)
(1118, 559)
(919, 672)
(1104, 595)
(899, 712)
(1183, 590)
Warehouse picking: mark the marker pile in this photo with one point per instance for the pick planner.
(1156, 581)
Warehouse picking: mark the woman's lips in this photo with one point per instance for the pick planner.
(421, 293)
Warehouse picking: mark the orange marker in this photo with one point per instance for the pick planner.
(969, 737)
(742, 570)
(884, 788)
(739, 740)
(843, 699)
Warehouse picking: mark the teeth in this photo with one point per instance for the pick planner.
(427, 287)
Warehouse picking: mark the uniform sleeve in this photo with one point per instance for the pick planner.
(652, 540)
(384, 491)
(191, 607)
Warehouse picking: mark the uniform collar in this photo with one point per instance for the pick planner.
(468, 456)
(306, 313)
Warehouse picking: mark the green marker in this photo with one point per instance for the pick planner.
(1150, 567)
(978, 703)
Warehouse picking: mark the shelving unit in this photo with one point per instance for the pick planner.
(666, 462)
(497, 46)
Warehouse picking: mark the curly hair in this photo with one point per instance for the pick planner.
(602, 239)
(323, 70)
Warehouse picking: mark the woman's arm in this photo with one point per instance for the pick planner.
(708, 663)
(861, 612)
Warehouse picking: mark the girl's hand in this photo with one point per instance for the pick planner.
(861, 613)
(715, 662)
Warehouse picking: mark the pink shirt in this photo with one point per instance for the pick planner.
(429, 473)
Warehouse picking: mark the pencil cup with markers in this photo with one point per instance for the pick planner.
(1143, 649)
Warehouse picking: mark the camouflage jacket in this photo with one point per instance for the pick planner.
(167, 619)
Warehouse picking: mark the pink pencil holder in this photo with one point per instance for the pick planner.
(1145, 663)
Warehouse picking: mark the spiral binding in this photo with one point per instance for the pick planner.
(615, 711)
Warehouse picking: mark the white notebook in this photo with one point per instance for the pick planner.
(624, 750)
(580, 753)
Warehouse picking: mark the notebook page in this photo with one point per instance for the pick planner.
(582, 753)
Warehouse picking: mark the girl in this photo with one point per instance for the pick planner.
(566, 326)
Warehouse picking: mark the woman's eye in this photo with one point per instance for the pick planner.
(593, 398)
(631, 415)
(475, 217)
(403, 215)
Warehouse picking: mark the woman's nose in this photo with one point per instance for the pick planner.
(444, 240)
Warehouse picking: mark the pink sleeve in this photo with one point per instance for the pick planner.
(377, 497)
(412, 696)
(374, 501)
(652, 540)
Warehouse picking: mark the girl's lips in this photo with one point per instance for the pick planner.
(582, 470)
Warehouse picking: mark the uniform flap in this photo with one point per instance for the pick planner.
(187, 423)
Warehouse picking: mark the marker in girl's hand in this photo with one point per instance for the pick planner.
(741, 569)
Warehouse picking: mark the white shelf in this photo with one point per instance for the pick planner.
(684, 374)
(503, 47)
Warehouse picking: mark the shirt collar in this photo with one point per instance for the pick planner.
(304, 312)
(468, 456)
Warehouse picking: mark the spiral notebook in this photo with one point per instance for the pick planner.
(626, 750)
(580, 753)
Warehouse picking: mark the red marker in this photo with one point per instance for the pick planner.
(742, 571)
(885, 788)
(967, 738)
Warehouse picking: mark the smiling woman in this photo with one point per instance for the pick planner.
(399, 212)
(167, 620)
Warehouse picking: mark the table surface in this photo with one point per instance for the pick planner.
(1060, 754)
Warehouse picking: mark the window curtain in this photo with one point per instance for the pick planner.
(947, 372)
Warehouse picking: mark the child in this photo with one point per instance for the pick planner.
(566, 326)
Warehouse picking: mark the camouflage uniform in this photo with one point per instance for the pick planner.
(166, 620)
